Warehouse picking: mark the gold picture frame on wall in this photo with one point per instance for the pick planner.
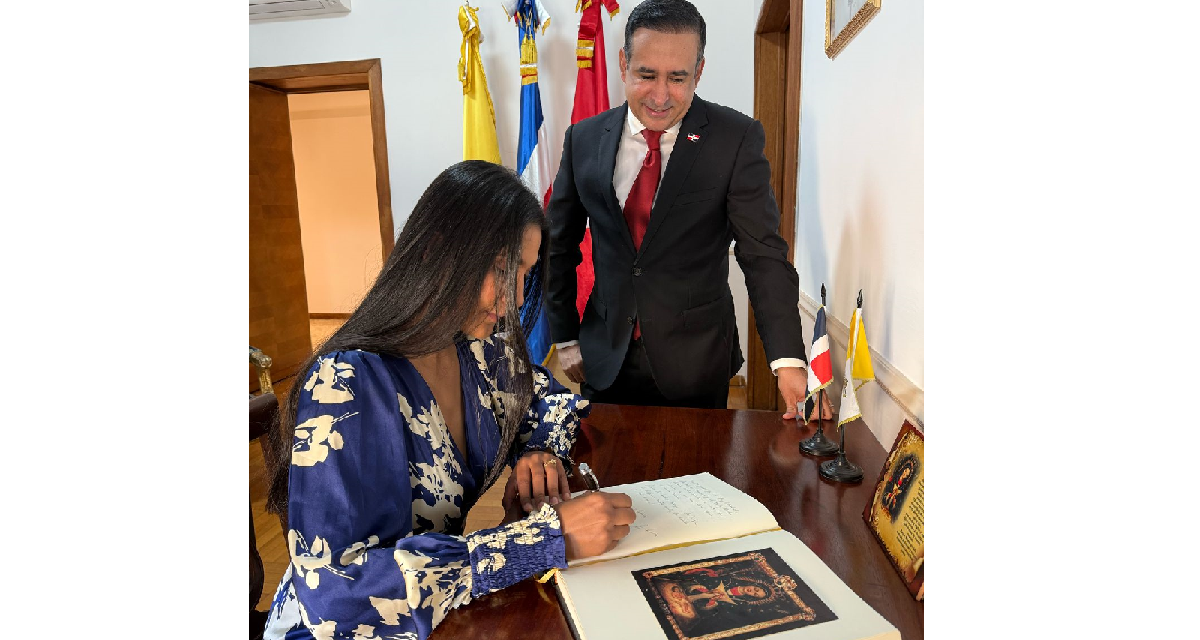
(843, 20)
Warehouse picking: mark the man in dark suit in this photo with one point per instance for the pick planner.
(667, 181)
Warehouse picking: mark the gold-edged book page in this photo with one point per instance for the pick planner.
(608, 601)
(684, 510)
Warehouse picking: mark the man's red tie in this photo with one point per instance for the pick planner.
(641, 197)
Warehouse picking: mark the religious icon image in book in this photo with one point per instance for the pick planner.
(745, 595)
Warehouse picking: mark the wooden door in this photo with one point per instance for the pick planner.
(777, 40)
(278, 297)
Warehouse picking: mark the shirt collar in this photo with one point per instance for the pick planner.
(635, 126)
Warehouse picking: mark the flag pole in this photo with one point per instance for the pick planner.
(840, 469)
(818, 444)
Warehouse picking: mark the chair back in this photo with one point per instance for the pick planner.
(262, 413)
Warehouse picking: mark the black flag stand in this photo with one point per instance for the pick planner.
(818, 444)
(840, 469)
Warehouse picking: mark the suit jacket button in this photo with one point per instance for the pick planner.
(629, 319)
(637, 271)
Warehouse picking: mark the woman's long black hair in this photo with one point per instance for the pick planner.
(429, 289)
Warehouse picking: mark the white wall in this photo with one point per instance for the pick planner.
(860, 197)
(418, 46)
(419, 51)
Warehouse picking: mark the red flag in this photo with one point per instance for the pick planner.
(591, 98)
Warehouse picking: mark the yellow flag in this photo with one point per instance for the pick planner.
(858, 370)
(479, 118)
(861, 356)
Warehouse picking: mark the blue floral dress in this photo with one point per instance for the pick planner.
(379, 493)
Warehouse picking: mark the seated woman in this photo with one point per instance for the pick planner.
(410, 411)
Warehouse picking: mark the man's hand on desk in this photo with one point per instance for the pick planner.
(571, 362)
(826, 408)
(793, 383)
(595, 522)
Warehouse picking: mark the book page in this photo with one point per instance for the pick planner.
(605, 600)
(685, 509)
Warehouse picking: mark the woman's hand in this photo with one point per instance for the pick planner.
(594, 522)
(538, 477)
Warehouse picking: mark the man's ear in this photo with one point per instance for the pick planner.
(622, 63)
(699, 70)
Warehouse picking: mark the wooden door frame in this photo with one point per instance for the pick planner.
(777, 39)
(356, 75)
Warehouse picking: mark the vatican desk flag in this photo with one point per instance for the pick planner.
(858, 367)
(533, 160)
(479, 116)
(591, 98)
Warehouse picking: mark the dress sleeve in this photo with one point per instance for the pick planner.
(552, 421)
(359, 462)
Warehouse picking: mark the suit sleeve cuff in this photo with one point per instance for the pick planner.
(788, 362)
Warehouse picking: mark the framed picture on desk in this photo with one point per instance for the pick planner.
(844, 19)
(896, 512)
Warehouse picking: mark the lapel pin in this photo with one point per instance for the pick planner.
(693, 137)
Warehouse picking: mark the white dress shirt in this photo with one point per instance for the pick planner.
(631, 153)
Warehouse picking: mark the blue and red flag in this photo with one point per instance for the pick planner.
(533, 160)
(820, 365)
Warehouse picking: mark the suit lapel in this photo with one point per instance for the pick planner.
(606, 155)
(683, 156)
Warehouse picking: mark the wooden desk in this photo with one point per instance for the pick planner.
(755, 451)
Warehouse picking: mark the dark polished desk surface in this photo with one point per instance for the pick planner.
(755, 451)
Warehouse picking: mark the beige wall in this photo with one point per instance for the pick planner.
(860, 206)
(419, 56)
(339, 212)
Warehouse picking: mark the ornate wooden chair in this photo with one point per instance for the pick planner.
(262, 362)
(262, 412)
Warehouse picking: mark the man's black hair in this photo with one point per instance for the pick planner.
(667, 16)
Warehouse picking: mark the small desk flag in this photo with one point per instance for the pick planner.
(820, 366)
(479, 117)
(858, 369)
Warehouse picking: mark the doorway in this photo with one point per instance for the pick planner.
(777, 38)
(339, 212)
(283, 301)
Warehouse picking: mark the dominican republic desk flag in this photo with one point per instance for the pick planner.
(820, 366)
(858, 369)
(533, 160)
(591, 98)
(479, 116)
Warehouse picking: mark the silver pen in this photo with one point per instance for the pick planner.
(589, 478)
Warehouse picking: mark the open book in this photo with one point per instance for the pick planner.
(706, 561)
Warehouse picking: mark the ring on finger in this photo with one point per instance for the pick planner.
(550, 463)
